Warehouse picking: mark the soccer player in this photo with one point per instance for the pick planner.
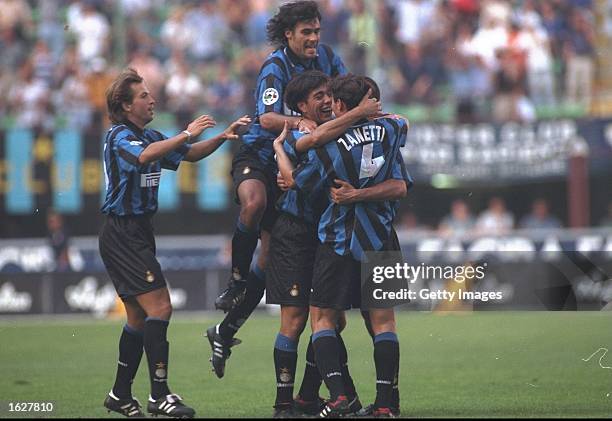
(295, 30)
(294, 241)
(365, 155)
(133, 159)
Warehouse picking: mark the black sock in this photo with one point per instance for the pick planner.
(156, 347)
(244, 243)
(386, 359)
(395, 397)
(311, 382)
(130, 353)
(256, 285)
(349, 386)
(326, 349)
(285, 360)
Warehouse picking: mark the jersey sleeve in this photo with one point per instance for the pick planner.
(270, 90)
(290, 143)
(399, 171)
(172, 160)
(128, 148)
(338, 67)
(309, 174)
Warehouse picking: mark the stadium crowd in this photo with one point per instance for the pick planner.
(451, 60)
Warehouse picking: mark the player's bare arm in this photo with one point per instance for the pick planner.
(284, 163)
(345, 193)
(367, 108)
(274, 122)
(157, 150)
(204, 148)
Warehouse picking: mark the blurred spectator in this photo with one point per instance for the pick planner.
(73, 99)
(495, 219)
(29, 99)
(607, 220)
(98, 79)
(409, 221)
(362, 38)
(16, 15)
(335, 17)
(58, 240)
(540, 77)
(510, 102)
(579, 49)
(257, 21)
(13, 50)
(236, 14)
(184, 93)
(417, 75)
(224, 97)
(459, 222)
(540, 217)
(208, 45)
(43, 63)
(413, 16)
(174, 31)
(467, 73)
(150, 69)
(92, 32)
(50, 29)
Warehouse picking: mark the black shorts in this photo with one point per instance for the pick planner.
(337, 279)
(127, 247)
(246, 165)
(291, 260)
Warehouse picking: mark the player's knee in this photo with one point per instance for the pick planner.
(252, 209)
(162, 311)
(382, 321)
(294, 326)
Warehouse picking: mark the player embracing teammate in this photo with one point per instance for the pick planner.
(363, 173)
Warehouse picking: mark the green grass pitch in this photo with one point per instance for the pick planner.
(515, 364)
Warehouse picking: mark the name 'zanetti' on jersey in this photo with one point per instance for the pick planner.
(363, 134)
(150, 180)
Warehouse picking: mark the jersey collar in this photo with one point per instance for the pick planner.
(137, 130)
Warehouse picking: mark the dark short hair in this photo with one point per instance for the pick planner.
(374, 86)
(120, 92)
(301, 86)
(288, 16)
(351, 88)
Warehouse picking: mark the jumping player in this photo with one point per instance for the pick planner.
(295, 30)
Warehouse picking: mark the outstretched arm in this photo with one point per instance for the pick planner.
(346, 194)
(282, 159)
(157, 150)
(204, 148)
(330, 130)
(274, 122)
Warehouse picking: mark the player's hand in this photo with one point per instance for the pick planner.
(344, 193)
(278, 142)
(231, 133)
(307, 126)
(280, 182)
(369, 107)
(197, 126)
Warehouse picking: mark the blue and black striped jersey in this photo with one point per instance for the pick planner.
(307, 206)
(131, 188)
(365, 155)
(276, 72)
